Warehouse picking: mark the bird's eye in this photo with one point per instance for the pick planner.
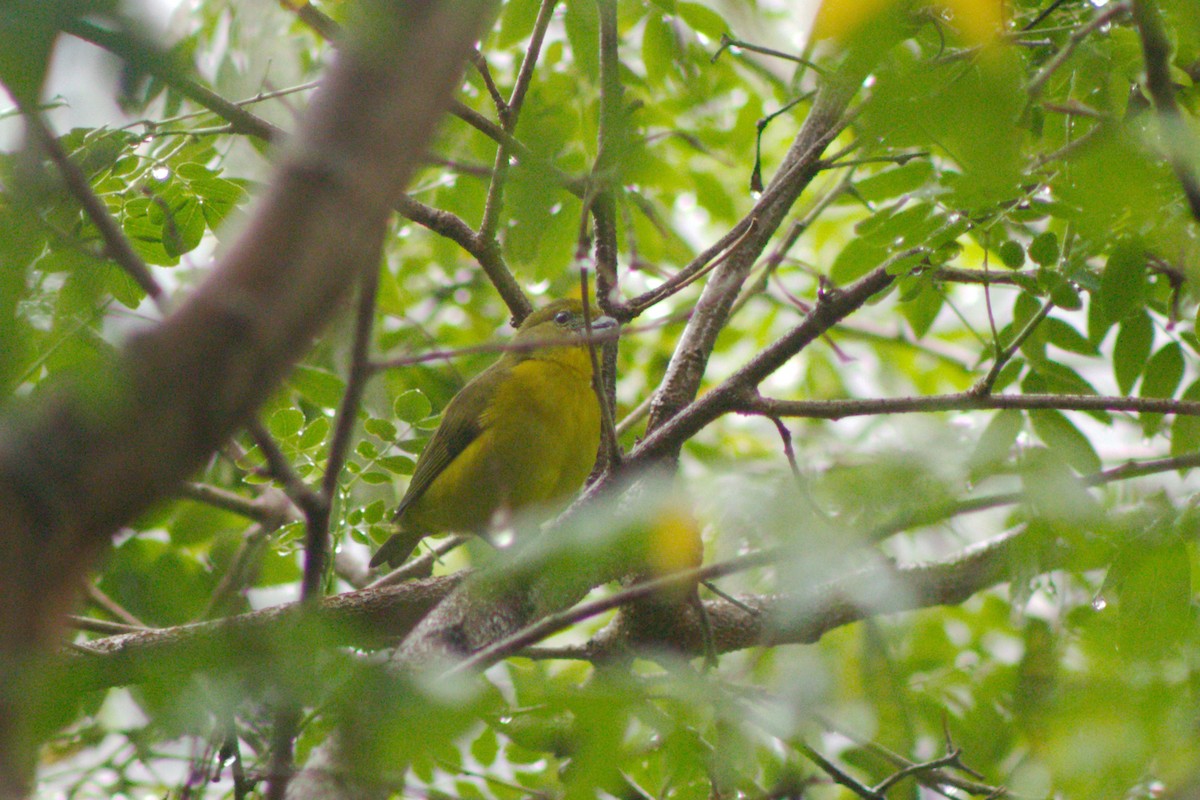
(562, 317)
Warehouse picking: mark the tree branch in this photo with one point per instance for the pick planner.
(961, 401)
(82, 462)
(800, 165)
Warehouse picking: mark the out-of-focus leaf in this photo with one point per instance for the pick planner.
(1164, 373)
(1123, 282)
(1154, 586)
(1185, 430)
(1135, 338)
(996, 443)
(1061, 436)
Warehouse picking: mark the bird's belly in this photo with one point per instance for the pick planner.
(556, 435)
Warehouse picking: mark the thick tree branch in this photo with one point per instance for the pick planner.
(369, 618)
(883, 588)
(82, 463)
(831, 308)
(800, 165)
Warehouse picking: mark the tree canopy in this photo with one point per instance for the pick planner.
(908, 351)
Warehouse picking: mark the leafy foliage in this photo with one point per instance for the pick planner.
(998, 445)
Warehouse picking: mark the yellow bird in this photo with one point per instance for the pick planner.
(521, 435)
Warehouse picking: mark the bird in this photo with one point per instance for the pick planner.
(521, 436)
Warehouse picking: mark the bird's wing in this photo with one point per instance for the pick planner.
(464, 419)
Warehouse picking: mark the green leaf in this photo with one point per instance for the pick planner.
(702, 19)
(400, 465)
(1065, 296)
(1064, 336)
(1185, 430)
(1123, 282)
(1098, 321)
(856, 259)
(997, 441)
(286, 423)
(516, 21)
(381, 428)
(1135, 338)
(411, 406)
(318, 386)
(582, 22)
(1012, 255)
(1154, 589)
(314, 433)
(922, 310)
(1044, 249)
(1067, 442)
(373, 513)
(658, 49)
(1164, 373)
(485, 747)
(895, 181)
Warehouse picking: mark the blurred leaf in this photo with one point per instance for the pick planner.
(1135, 338)
(1044, 249)
(1123, 282)
(1154, 586)
(1185, 430)
(1060, 435)
(997, 441)
(318, 386)
(702, 19)
(1164, 372)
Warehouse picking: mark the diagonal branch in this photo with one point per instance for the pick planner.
(84, 461)
(116, 244)
(800, 166)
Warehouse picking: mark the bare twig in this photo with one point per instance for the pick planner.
(317, 551)
(985, 384)
(99, 598)
(826, 119)
(1102, 18)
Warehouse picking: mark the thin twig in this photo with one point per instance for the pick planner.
(788, 450)
(984, 386)
(612, 447)
(339, 446)
(419, 567)
(279, 468)
(969, 400)
(1101, 19)
(700, 266)
(485, 72)
(101, 600)
(214, 496)
(728, 42)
